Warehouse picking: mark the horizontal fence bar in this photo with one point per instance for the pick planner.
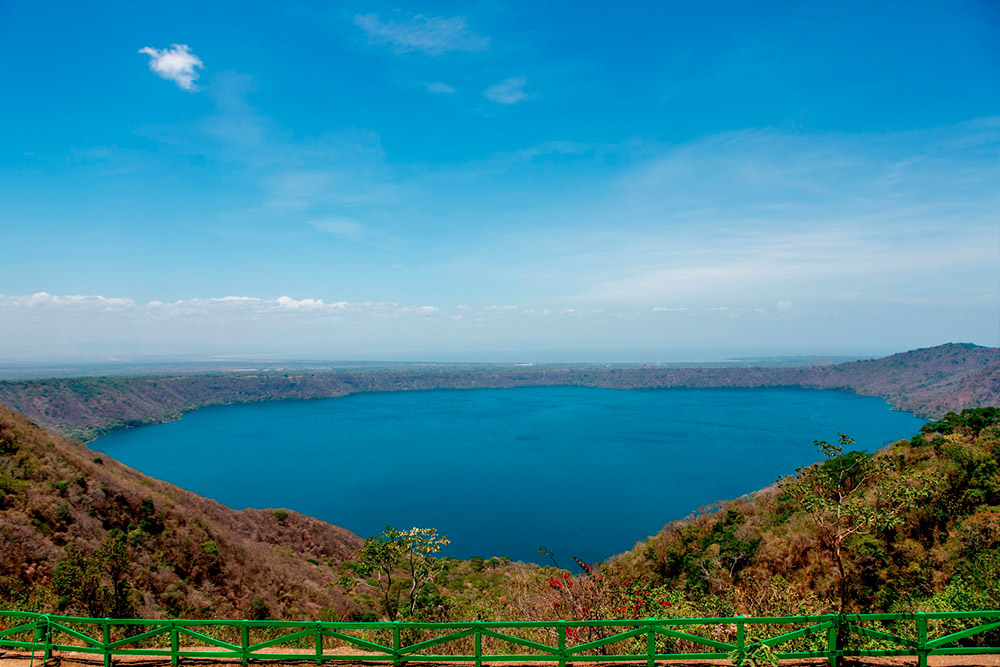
(632, 640)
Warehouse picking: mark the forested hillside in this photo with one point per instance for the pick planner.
(88, 534)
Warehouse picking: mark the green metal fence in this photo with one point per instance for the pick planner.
(646, 640)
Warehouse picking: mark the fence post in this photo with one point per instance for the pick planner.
(395, 644)
(561, 633)
(106, 639)
(650, 643)
(921, 639)
(48, 641)
(245, 641)
(741, 637)
(174, 643)
(479, 642)
(39, 632)
(832, 637)
(319, 642)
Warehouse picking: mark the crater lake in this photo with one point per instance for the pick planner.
(580, 471)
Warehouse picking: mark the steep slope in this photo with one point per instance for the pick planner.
(184, 554)
(928, 382)
(944, 552)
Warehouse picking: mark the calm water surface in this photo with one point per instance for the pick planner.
(585, 472)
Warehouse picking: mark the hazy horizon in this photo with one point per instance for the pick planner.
(28, 369)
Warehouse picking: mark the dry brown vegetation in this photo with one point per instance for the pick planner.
(189, 556)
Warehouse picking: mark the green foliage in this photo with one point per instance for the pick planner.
(971, 420)
(401, 567)
(115, 557)
(280, 515)
(851, 493)
(97, 583)
(8, 441)
(756, 655)
(77, 582)
(63, 513)
(149, 521)
(10, 484)
(258, 610)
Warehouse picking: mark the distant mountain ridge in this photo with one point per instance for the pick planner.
(928, 382)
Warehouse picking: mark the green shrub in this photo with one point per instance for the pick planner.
(258, 610)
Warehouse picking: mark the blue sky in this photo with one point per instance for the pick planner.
(498, 181)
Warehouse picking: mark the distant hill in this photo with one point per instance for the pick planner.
(928, 382)
(62, 509)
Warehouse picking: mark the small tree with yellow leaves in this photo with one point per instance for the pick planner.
(397, 564)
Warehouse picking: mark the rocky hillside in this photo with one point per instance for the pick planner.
(88, 534)
(928, 382)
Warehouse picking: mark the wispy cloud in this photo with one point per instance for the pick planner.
(508, 91)
(429, 34)
(175, 64)
(439, 87)
(342, 227)
(555, 148)
(224, 307)
(754, 218)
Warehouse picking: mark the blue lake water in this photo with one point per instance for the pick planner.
(582, 471)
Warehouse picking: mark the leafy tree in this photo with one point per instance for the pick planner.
(974, 420)
(99, 582)
(848, 494)
(77, 582)
(398, 564)
(115, 557)
(258, 610)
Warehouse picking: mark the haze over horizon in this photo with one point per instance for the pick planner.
(510, 181)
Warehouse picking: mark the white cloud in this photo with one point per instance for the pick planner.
(45, 327)
(439, 87)
(508, 91)
(177, 64)
(342, 227)
(314, 304)
(431, 35)
(44, 300)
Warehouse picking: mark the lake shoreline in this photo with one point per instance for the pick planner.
(569, 458)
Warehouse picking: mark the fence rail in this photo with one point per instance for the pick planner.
(737, 638)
